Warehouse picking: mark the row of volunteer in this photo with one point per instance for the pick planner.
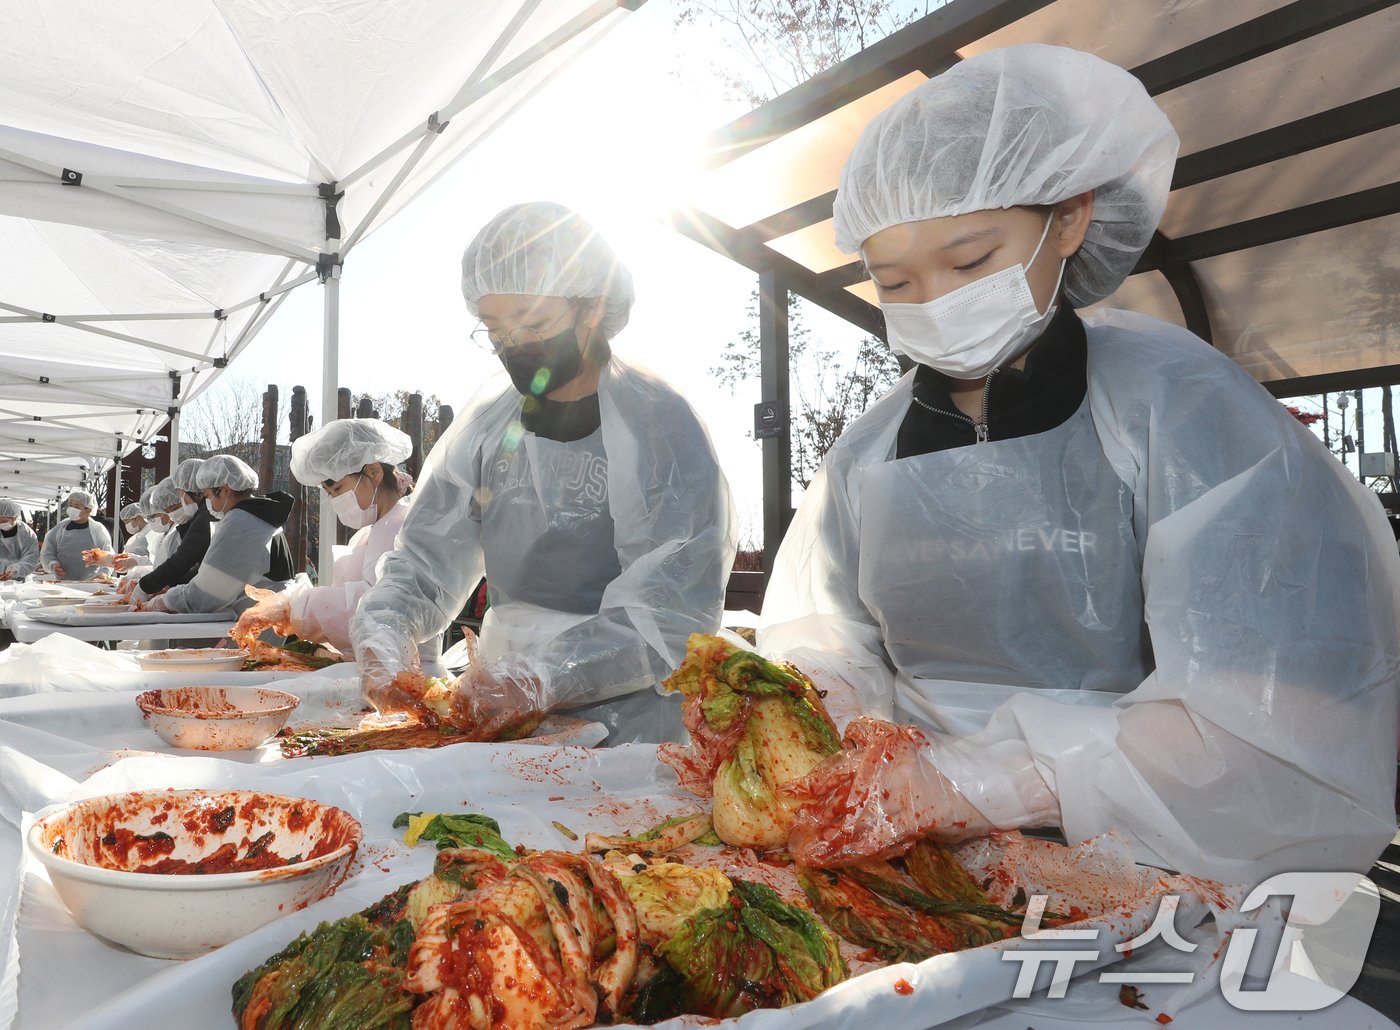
(1110, 579)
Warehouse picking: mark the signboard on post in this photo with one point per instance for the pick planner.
(769, 420)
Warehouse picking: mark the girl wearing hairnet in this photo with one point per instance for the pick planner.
(249, 547)
(1112, 579)
(62, 551)
(19, 547)
(354, 461)
(585, 489)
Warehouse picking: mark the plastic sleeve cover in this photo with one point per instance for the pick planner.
(436, 563)
(813, 615)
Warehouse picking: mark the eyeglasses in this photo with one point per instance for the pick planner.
(496, 341)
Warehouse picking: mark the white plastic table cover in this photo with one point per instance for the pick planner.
(41, 622)
(61, 663)
(57, 974)
(109, 722)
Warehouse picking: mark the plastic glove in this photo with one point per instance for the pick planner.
(155, 604)
(272, 611)
(124, 562)
(891, 786)
(391, 678)
(5, 574)
(58, 570)
(97, 556)
(501, 698)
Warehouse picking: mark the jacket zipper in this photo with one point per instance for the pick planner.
(979, 429)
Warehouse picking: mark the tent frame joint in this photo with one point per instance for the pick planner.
(331, 196)
(435, 126)
(328, 267)
(69, 177)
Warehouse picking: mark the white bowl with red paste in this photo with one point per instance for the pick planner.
(177, 873)
(193, 659)
(216, 718)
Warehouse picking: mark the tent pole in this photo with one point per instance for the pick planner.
(117, 505)
(330, 385)
(174, 442)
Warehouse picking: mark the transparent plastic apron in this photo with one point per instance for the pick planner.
(550, 554)
(1002, 567)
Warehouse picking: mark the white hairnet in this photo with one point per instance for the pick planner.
(226, 470)
(131, 511)
(147, 508)
(344, 446)
(9, 510)
(164, 495)
(186, 473)
(543, 249)
(1024, 126)
(82, 497)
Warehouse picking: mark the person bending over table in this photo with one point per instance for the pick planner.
(584, 487)
(62, 552)
(19, 547)
(248, 548)
(186, 546)
(1115, 582)
(354, 460)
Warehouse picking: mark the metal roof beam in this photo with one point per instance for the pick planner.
(955, 25)
(1334, 382)
(1319, 130)
(709, 231)
(1300, 20)
(1285, 225)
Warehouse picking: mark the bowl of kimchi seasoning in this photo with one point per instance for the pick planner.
(177, 873)
(216, 718)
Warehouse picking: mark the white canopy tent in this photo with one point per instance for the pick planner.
(170, 169)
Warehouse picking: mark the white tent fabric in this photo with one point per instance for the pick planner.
(170, 168)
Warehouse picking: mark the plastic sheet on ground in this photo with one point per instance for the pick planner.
(68, 977)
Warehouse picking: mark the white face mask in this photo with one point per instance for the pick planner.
(181, 515)
(215, 515)
(347, 509)
(74, 512)
(7, 526)
(976, 328)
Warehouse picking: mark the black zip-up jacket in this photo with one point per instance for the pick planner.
(1016, 402)
(181, 566)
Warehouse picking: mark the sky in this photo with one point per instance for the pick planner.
(614, 138)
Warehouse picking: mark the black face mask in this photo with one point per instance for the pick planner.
(539, 368)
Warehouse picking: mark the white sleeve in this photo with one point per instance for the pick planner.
(812, 612)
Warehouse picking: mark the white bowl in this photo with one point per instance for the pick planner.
(216, 718)
(194, 659)
(88, 850)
